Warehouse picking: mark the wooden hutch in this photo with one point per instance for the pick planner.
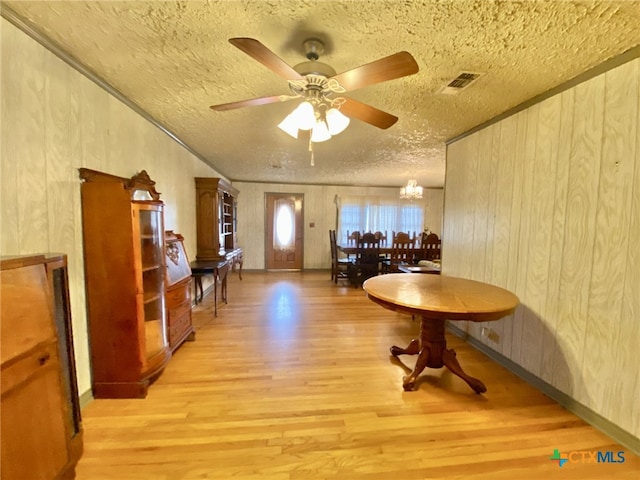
(41, 425)
(216, 217)
(124, 258)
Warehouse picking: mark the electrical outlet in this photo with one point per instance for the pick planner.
(490, 334)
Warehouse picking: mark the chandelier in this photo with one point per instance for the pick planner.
(412, 190)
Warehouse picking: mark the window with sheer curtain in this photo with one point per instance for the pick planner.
(373, 214)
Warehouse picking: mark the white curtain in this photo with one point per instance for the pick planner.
(284, 224)
(373, 214)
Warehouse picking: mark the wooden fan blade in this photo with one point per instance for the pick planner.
(259, 52)
(252, 102)
(367, 113)
(394, 66)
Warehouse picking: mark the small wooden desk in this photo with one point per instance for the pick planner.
(437, 298)
(219, 270)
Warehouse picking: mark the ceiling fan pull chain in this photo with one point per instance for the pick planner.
(313, 161)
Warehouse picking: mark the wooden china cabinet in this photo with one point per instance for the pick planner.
(216, 217)
(41, 424)
(178, 291)
(124, 259)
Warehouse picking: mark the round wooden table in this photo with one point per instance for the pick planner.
(437, 298)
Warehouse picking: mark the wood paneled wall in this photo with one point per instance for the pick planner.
(546, 203)
(55, 120)
(319, 208)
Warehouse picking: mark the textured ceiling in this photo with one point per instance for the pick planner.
(173, 60)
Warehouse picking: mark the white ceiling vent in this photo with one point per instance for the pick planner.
(462, 81)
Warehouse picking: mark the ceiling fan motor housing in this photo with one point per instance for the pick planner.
(313, 48)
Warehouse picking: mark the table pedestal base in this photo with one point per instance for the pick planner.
(432, 352)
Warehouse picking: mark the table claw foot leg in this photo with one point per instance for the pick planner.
(451, 362)
(409, 382)
(412, 349)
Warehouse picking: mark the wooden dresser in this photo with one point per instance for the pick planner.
(41, 426)
(178, 291)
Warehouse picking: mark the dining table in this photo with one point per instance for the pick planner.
(437, 299)
(433, 269)
(353, 249)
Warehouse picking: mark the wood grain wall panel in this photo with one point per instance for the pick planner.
(460, 200)
(469, 184)
(622, 398)
(552, 358)
(32, 216)
(434, 204)
(586, 144)
(502, 216)
(613, 239)
(458, 257)
(94, 115)
(539, 238)
(496, 134)
(448, 227)
(453, 202)
(514, 151)
(9, 142)
(452, 198)
(566, 220)
(478, 188)
(452, 230)
(61, 144)
(521, 211)
(528, 321)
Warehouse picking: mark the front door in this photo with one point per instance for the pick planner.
(284, 238)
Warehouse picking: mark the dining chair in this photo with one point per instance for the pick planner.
(429, 247)
(403, 252)
(367, 261)
(352, 237)
(382, 237)
(339, 265)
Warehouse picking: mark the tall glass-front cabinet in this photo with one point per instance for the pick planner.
(123, 231)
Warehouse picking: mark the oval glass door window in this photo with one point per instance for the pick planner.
(285, 226)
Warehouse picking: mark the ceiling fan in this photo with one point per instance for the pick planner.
(319, 84)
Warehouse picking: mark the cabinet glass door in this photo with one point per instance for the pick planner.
(152, 268)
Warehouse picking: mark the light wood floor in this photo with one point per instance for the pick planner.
(293, 381)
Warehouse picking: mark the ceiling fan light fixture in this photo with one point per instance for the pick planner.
(411, 191)
(289, 125)
(320, 132)
(336, 121)
(305, 116)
